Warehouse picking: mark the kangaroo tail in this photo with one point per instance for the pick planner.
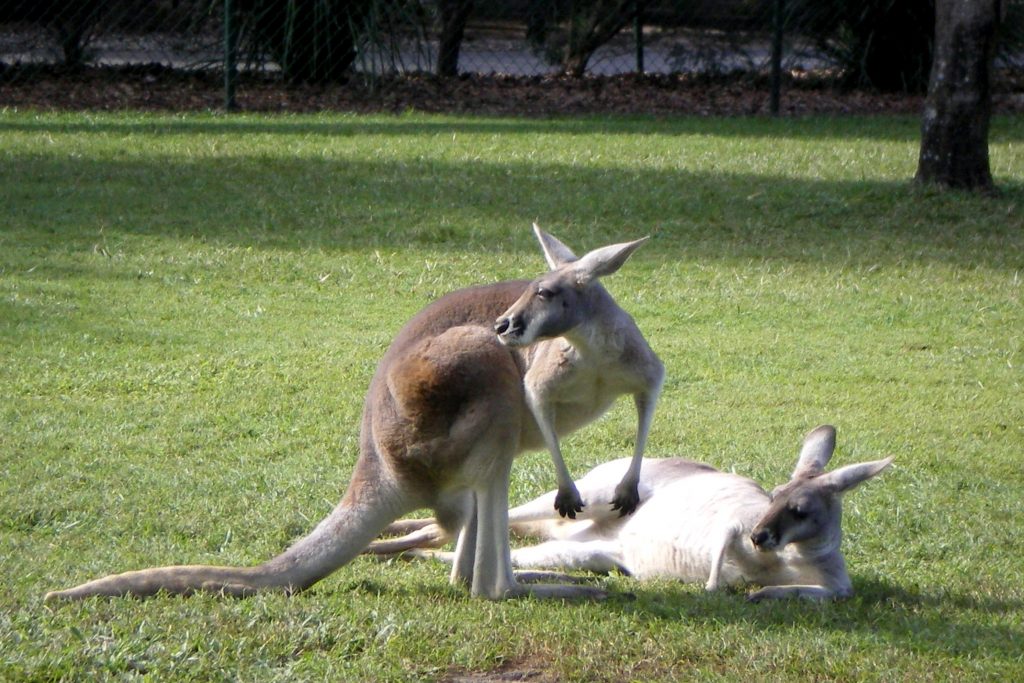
(180, 580)
(357, 520)
(406, 526)
(427, 535)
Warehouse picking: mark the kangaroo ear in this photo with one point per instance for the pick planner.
(555, 253)
(845, 478)
(604, 261)
(818, 447)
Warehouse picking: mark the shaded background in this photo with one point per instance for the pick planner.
(883, 45)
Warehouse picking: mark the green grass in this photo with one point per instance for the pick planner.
(191, 308)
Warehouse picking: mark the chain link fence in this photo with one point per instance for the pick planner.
(883, 44)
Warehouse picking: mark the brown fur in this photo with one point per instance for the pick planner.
(444, 416)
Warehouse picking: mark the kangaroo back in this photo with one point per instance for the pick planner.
(405, 460)
(446, 412)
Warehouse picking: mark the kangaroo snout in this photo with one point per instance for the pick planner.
(762, 539)
(509, 327)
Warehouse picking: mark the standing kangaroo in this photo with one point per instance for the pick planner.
(472, 380)
(695, 524)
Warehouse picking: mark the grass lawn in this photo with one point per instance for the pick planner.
(191, 308)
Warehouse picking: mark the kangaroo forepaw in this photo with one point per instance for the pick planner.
(568, 502)
(626, 499)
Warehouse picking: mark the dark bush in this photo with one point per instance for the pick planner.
(314, 41)
(73, 22)
(569, 32)
(883, 44)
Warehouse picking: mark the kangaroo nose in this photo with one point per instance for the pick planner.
(508, 325)
(759, 537)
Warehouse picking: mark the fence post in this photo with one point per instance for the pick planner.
(638, 36)
(778, 19)
(230, 55)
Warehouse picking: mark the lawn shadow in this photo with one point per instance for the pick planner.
(910, 619)
(449, 205)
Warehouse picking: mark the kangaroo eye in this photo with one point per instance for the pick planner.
(799, 513)
(545, 294)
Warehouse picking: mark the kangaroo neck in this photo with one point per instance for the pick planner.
(595, 339)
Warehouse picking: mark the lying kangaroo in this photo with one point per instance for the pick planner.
(694, 523)
(471, 381)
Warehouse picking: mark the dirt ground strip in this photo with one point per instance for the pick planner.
(161, 89)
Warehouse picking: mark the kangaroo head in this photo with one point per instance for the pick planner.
(563, 298)
(809, 506)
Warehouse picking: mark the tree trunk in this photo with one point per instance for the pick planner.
(954, 127)
(454, 14)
